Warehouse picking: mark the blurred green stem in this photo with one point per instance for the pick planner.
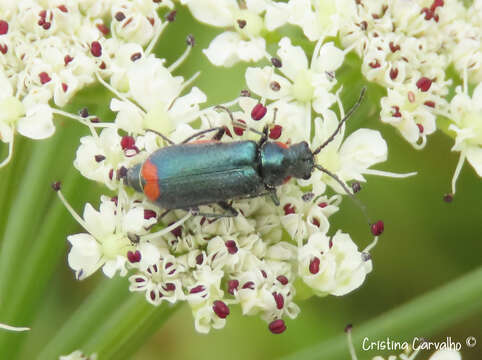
(112, 322)
(424, 316)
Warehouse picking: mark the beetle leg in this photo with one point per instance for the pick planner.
(228, 207)
(220, 132)
(274, 197)
(264, 136)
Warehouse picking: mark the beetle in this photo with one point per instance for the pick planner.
(190, 174)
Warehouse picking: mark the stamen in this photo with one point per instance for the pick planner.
(156, 37)
(351, 348)
(181, 59)
(371, 245)
(71, 210)
(116, 93)
(13, 328)
(167, 229)
(10, 153)
(388, 173)
(189, 81)
(457, 170)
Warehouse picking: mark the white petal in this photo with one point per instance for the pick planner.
(37, 123)
(330, 58)
(84, 256)
(185, 108)
(474, 157)
(229, 48)
(128, 117)
(112, 266)
(259, 81)
(102, 223)
(292, 57)
(360, 150)
(150, 82)
(133, 221)
(212, 12)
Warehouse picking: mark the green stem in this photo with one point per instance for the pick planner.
(128, 328)
(423, 316)
(110, 294)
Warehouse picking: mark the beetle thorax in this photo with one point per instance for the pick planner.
(279, 161)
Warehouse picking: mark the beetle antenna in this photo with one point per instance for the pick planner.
(237, 123)
(343, 185)
(350, 112)
(162, 136)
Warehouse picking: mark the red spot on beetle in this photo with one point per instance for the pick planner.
(149, 173)
(286, 179)
(282, 145)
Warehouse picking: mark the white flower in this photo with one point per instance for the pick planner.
(246, 42)
(147, 78)
(306, 84)
(107, 242)
(466, 115)
(332, 266)
(348, 159)
(160, 281)
(317, 18)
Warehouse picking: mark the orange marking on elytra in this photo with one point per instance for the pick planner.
(149, 173)
(282, 144)
(203, 141)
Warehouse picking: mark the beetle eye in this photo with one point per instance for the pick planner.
(306, 177)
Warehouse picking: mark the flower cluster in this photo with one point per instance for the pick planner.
(49, 50)
(276, 244)
(273, 246)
